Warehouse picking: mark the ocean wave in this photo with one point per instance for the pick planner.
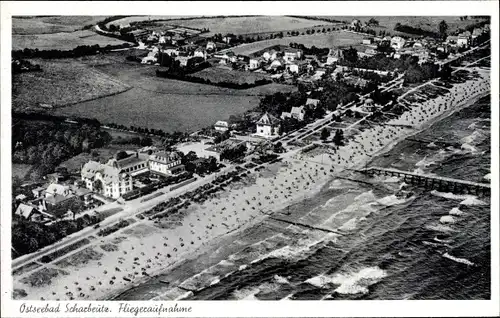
(458, 260)
(472, 201)
(439, 228)
(281, 280)
(425, 162)
(246, 293)
(469, 148)
(442, 241)
(392, 200)
(447, 219)
(392, 180)
(358, 282)
(349, 225)
(474, 138)
(456, 211)
(452, 196)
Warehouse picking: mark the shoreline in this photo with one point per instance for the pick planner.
(149, 235)
(213, 243)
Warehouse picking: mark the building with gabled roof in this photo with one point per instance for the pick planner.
(268, 126)
(106, 179)
(165, 163)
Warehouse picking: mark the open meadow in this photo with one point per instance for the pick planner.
(61, 82)
(322, 40)
(154, 102)
(23, 25)
(246, 25)
(428, 23)
(61, 40)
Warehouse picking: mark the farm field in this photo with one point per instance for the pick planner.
(328, 40)
(245, 25)
(128, 20)
(53, 24)
(170, 112)
(429, 23)
(61, 40)
(61, 82)
(220, 74)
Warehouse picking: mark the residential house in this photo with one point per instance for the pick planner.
(268, 126)
(463, 41)
(270, 55)
(312, 103)
(277, 63)
(296, 112)
(38, 192)
(200, 52)
(397, 42)
(134, 163)
(183, 60)
(29, 212)
(106, 179)
(171, 51)
(254, 63)
(333, 56)
(291, 54)
(211, 46)
(367, 41)
(370, 52)
(296, 66)
(356, 24)
(165, 163)
(221, 126)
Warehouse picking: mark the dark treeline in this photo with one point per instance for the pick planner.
(47, 117)
(310, 51)
(45, 144)
(417, 31)
(23, 66)
(28, 237)
(82, 50)
(195, 79)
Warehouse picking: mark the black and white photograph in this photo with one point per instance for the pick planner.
(250, 157)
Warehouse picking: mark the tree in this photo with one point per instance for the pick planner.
(443, 28)
(372, 21)
(339, 137)
(97, 186)
(325, 133)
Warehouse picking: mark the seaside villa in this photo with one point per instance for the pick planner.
(165, 163)
(107, 179)
(268, 126)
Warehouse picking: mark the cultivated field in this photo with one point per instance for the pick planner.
(220, 74)
(429, 23)
(128, 20)
(54, 24)
(61, 40)
(245, 25)
(328, 40)
(61, 82)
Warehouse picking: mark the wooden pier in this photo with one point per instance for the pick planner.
(433, 182)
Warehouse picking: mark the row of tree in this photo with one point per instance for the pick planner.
(79, 51)
(28, 237)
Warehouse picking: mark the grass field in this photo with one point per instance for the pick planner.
(20, 170)
(328, 40)
(52, 24)
(162, 103)
(245, 25)
(61, 82)
(138, 18)
(429, 23)
(61, 40)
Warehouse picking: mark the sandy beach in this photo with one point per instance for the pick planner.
(128, 257)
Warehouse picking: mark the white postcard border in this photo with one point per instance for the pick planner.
(10, 308)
